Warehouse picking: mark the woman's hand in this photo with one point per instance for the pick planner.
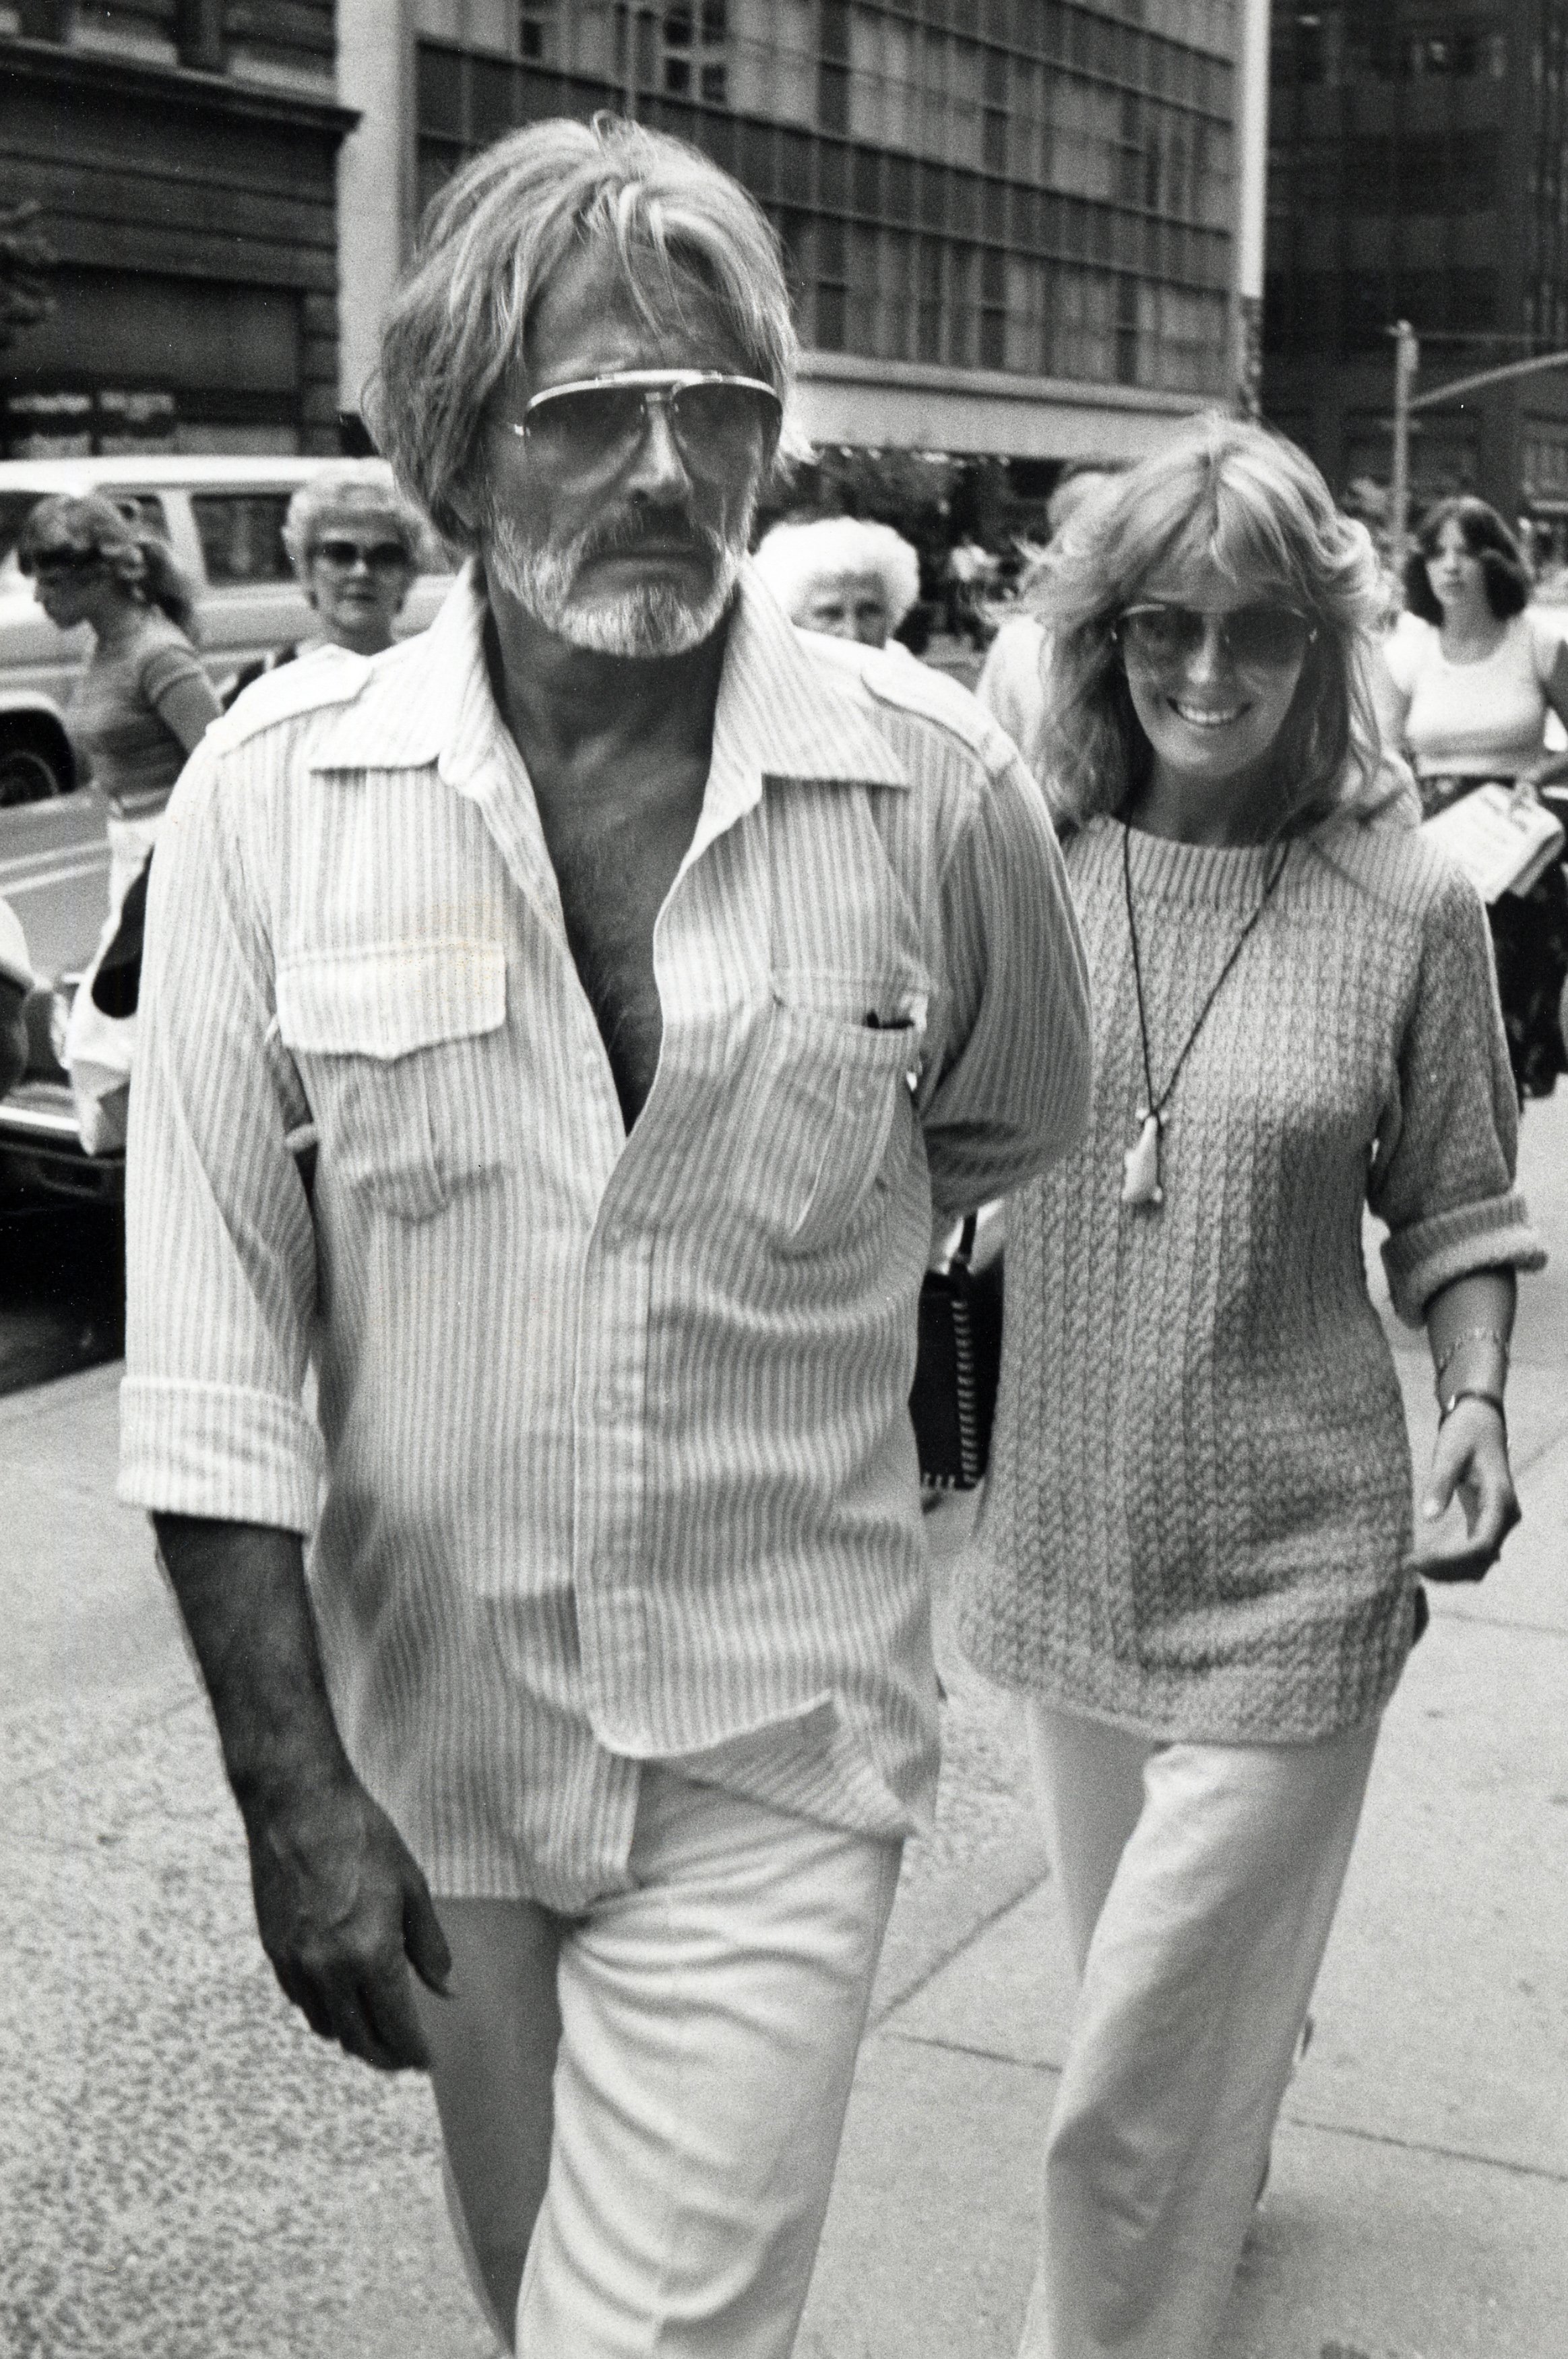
(1470, 1461)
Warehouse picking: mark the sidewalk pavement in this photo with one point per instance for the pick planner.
(186, 2174)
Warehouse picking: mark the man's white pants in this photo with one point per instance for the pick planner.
(670, 2071)
(1198, 1884)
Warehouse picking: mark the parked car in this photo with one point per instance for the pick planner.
(223, 520)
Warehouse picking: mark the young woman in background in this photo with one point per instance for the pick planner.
(1468, 696)
(140, 708)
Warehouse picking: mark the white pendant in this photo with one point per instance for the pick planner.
(1141, 1164)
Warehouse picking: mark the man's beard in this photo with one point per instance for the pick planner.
(651, 619)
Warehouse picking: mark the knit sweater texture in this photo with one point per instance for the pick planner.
(1198, 1522)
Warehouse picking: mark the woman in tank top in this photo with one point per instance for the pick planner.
(140, 708)
(1474, 673)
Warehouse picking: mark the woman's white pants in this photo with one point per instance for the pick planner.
(1198, 1884)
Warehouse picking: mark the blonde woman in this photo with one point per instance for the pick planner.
(139, 709)
(355, 542)
(1194, 1557)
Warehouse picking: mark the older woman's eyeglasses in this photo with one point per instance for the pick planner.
(375, 556)
(1260, 637)
(59, 564)
(594, 424)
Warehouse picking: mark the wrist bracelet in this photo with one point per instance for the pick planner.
(1472, 1335)
(1449, 1402)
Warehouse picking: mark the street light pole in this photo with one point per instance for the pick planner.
(1406, 360)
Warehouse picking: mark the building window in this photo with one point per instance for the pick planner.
(145, 29)
(1012, 186)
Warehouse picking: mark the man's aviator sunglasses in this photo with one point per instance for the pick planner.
(1260, 637)
(595, 423)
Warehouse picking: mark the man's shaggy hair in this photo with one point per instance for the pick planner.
(492, 241)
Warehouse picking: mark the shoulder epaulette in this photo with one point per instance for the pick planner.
(286, 693)
(901, 683)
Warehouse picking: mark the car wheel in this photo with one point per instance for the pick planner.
(26, 776)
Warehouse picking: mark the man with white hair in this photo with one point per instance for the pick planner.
(636, 974)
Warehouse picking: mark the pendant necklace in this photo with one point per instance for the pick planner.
(1142, 1182)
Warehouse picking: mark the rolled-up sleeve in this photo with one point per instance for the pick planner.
(220, 1261)
(1012, 1090)
(1443, 1178)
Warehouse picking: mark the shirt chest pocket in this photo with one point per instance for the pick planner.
(396, 1046)
(829, 1116)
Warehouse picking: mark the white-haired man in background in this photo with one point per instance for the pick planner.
(640, 971)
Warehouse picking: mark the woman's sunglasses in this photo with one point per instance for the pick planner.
(1260, 637)
(594, 424)
(376, 556)
(58, 564)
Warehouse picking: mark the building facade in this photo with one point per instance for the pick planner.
(1418, 169)
(184, 154)
(1010, 225)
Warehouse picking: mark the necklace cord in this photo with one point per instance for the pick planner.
(1158, 1105)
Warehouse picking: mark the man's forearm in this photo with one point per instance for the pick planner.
(241, 1589)
(342, 1907)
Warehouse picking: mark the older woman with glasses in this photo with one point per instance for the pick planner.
(139, 709)
(1194, 1558)
(356, 542)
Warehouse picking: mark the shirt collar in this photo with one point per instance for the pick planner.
(781, 714)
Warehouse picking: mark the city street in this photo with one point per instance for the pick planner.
(185, 2173)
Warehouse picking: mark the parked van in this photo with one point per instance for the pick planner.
(223, 520)
(222, 517)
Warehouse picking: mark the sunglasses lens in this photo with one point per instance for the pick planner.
(1256, 638)
(381, 557)
(593, 428)
(54, 563)
(721, 426)
(1266, 638)
(1157, 638)
(588, 428)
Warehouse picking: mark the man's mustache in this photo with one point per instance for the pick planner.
(624, 535)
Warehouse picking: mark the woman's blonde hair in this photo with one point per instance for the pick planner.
(139, 560)
(1249, 503)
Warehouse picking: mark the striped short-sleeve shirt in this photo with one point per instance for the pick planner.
(607, 1456)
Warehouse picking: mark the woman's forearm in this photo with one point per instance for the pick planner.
(1469, 1324)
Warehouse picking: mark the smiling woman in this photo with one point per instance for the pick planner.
(1294, 1019)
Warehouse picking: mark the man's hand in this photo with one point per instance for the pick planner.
(1471, 1460)
(343, 1912)
(343, 1908)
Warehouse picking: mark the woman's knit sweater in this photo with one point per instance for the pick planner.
(1198, 1517)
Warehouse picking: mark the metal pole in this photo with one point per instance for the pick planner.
(629, 97)
(1252, 182)
(1536, 367)
(1406, 360)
